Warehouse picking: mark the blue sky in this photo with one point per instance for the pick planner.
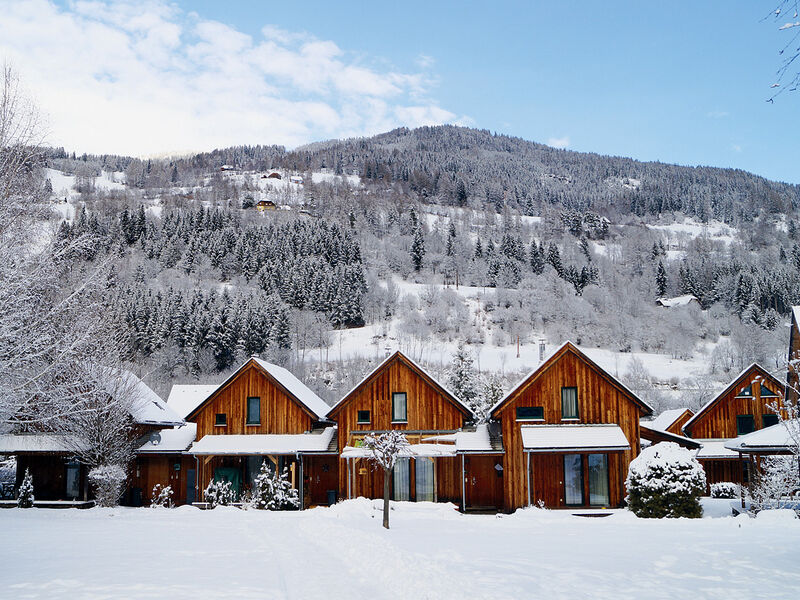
(682, 82)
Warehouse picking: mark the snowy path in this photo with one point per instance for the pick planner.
(431, 552)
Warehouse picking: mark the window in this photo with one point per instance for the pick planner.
(746, 392)
(530, 413)
(399, 410)
(573, 479)
(254, 411)
(424, 480)
(766, 392)
(401, 480)
(363, 416)
(221, 419)
(745, 424)
(769, 419)
(569, 403)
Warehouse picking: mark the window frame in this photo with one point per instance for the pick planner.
(539, 418)
(360, 421)
(741, 417)
(577, 415)
(405, 406)
(770, 394)
(217, 422)
(772, 417)
(247, 420)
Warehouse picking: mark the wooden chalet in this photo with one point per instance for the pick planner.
(264, 413)
(263, 205)
(59, 476)
(450, 461)
(570, 430)
(741, 408)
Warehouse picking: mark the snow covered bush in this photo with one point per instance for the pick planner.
(25, 497)
(161, 496)
(724, 489)
(665, 480)
(274, 491)
(108, 482)
(219, 493)
(776, 484)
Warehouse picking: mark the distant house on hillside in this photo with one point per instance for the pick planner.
(273, 175)
(296, 179)
(263, 205)
(227, 168)
(684, 300)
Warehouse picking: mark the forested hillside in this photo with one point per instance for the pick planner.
(423, 239)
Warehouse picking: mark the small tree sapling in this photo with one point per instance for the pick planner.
(25, 497)
(384, 451)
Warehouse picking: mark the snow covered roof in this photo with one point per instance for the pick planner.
(477, 440)
(412, 450)
(796, 314)
(714, 449)
(728, 388)
(296, 388)
(665, 419)
(183, 399)
(315, 442)
(399, 355)
(11, 443)
(677, 300)
(169, 440)
(567, 438)
(650, 435)
(775, 438)
(546, 364)
(148, 408)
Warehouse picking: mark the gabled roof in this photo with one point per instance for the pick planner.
(315, 406)
(147, 407)
(168, 441)
(666, 419)
(646, 432)
(414, 367)
(737, 381)
(558, 353)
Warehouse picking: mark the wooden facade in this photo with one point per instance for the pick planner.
(677, 425)
(600, 398)
(718, 418)
(148, 470)
(430, 410)
(793, 367)
(280, 412)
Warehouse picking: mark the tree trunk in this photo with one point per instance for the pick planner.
(386, 481)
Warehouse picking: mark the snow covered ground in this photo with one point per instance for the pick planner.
(431, 552)
(692, 229)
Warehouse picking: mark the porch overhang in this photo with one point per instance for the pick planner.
(543, 439)
(715, 450)
(266, 444)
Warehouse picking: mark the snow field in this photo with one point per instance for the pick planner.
(431, 551)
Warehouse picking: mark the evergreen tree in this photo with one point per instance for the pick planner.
(25, 495)
(661, 280)
(417, 249)
(461, 377)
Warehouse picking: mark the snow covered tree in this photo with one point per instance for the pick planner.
(219, 493)
(273, 490)
(161, 496)
(108, 482)
(462, 379)
(491, 392)
(417, 249)
(776, 483)
(384, 451)
(25, 495)
(661, 280)
(665, 480)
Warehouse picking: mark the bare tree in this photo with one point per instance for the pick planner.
(384, 451)
(787, 16)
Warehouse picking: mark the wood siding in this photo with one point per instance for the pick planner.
(718, 420)
(428, 409)
(151, 469)
(280, 413)
(599, 401)
(677, 426)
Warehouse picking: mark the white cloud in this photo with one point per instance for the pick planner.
(145, 77)
(736, 147)
(717, 114)
(558, 142)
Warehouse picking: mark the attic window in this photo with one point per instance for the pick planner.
(221, 419)
(766, 392)
(746, 392)
(569, 403)
(399, 408)
(363, 417)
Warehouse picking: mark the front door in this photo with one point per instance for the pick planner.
(586, 473)
(483, 483)
(73, 480)
(191, 496)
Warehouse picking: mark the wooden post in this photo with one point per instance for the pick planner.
(349, 482)
(463, 487)
(741, 487)
(528, 475)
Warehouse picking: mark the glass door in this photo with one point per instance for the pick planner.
(598, 480)
(73, 480)
(401, 480)
(424, 479)
(573, 479)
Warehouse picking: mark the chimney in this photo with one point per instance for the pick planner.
(542, 347)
